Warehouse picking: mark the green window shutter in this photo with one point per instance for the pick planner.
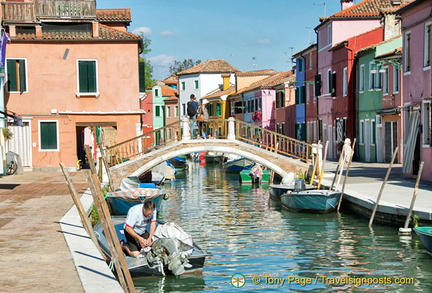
(22, 76)
(83, 80)
(142, 77)
(12, 75)
(218, 109)
(92, 76)
(48, 135)
(297, 95)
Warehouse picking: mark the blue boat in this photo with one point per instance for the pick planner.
(425, 234)
(121, 201)
(311, 201)
(179, 162)
(238, 165)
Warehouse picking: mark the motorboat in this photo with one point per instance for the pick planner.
(173, 251)
(237, 165)
(425, 234)
(311, 201)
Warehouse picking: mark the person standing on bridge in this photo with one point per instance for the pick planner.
(139, 227)
(192, 111)
(203, 116)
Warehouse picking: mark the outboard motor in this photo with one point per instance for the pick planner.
(299, 184)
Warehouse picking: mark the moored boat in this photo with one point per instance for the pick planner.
(311, 201)
(276, 190)
(255, 175)
(168, 255)
(179, 162)
(238, 165)
(425, 234)
(213, 157)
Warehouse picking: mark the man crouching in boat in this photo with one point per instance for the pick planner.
(138, 236)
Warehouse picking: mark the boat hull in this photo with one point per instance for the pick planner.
(425, 234)
(139, 267)
(276, 190)
(120, 206)
(238, 165)
(311, 201)
(246, 177)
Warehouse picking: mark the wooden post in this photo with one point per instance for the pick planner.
(340, 162)
(82, 213)
(117, 255)
(316, 162)
(107, 170)
(346, 174)
(382, 187)
(414, 195)
(90, 159)
(322, 167)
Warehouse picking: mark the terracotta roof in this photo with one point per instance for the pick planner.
(257, 72)
(211, 66)
(365, 9)
(410, 4)
(105, 33)
(114, 15)
(219, 93)
(269, 82)
(168, 91)
(172, 79)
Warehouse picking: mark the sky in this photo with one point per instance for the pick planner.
(249, 34)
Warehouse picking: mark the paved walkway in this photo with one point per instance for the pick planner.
(45, 249)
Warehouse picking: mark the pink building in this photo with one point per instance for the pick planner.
(359, 18)
(417, 89)
(73, 77)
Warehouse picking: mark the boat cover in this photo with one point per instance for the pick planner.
(134, 194)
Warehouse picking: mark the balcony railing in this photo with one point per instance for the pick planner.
(48, 9)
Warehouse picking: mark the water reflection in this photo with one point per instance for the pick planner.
(247, 233)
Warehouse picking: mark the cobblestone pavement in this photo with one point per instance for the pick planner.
(34, 255)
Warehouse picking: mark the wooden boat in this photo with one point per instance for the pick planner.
(121, 201)
(179, 162)
(425, 234)
(276, 190)
(168, 256)
(311, 201)
(238, 165)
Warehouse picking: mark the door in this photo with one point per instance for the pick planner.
(367, 139)
(390, 140)
(20, 143)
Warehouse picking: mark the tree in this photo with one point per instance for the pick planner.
(177, 66)
(146, 68)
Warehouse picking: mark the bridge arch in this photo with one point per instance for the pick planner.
(280, 164)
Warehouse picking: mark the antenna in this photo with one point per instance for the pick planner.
(253, 60)
(309, 37)
(291, 53)
(322, 4)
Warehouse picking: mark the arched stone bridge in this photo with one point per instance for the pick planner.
(277, 152)
(280, 164)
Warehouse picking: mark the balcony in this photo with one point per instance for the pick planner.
(23, 12)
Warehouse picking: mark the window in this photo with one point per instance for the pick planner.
(427, 123)
(345, 82)
(142, 77)
(168, 112)
(396, 79)
(361, 131)
(329, 34)
(427, 44)
(176, 109)
(218, 109)
(372, 75)
(16, 75)
(312, 91)
(48, 136)
(310, 61)
(385, 76)
(209, 107)
(361, 78)
(196, 84)
(156, 92)
(300, 64)
(183, 85)
(307, 93)
(407, 52)
(378, 76)
(157, 111)
(329, 81)
(87, 77)
(372, 132)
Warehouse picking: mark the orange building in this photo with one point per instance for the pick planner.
(72, 75)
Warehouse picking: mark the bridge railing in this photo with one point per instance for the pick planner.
(272, 141)
(144, 143)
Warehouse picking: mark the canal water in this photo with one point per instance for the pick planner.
(254, 244)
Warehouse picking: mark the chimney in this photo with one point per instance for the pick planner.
(346, 4)
(95, 28)
(226, 81)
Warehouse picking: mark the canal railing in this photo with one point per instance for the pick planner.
(185, 130)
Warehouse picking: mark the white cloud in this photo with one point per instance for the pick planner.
(162, 60)
(264, 41)
(144, 31)
(166, 33)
